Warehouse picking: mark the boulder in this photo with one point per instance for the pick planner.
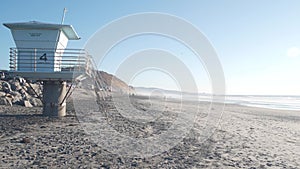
(36, 89)
(6, 87)
(15, 86)
(17, 98)
(5, 101)
(27, 103)
(2, 94)
(36, 102)
(2, 75)
(14, 93)
(25, 88)
(23, 94)
(21, 80)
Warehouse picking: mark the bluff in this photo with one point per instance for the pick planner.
(113, 84)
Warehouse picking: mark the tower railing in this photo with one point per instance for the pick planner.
(46, 60)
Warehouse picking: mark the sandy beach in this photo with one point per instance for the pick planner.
(245, 137)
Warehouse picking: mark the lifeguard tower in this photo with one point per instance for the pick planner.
(41, 55)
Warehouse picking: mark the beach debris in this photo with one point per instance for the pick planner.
(72, 124)
(25, 140)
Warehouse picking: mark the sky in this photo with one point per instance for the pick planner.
(257, 42)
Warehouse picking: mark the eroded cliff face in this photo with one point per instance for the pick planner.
(115, 84)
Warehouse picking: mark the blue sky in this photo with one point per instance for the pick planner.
(258, 42)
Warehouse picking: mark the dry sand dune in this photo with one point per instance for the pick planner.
(245, 138)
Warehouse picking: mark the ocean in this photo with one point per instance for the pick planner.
(267, 101)
(282, 102)
(264, 101)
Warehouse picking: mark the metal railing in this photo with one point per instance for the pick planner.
(50, 60)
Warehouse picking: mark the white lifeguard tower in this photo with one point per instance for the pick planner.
(41, 55)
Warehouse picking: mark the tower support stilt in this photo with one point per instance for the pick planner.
(53, 97)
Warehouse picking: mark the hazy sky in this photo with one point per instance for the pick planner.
(257, 41)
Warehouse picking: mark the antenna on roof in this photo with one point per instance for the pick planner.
(64, 15)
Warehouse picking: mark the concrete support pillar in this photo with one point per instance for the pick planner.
(54, 93)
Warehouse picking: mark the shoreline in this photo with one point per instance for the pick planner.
(241, 103)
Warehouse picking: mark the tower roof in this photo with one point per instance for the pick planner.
(67, 29)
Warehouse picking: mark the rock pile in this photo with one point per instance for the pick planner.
(16, 91)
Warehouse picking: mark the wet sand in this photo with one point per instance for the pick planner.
(244, 137)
